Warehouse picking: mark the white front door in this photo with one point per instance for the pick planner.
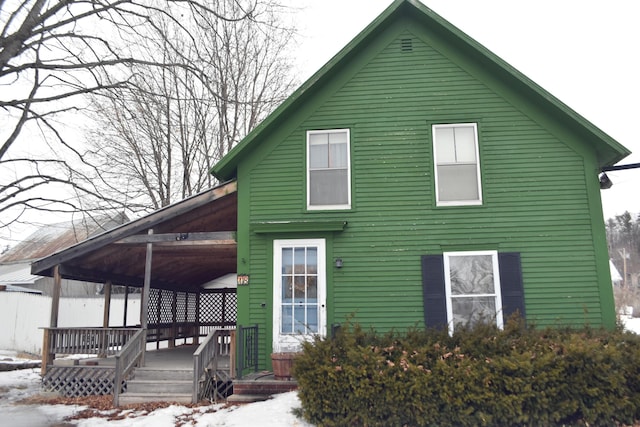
(299, 292)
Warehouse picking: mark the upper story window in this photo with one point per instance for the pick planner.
(457, 164)
(328, 169)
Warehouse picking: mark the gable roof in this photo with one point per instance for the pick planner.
(608, 150)
(183, 263)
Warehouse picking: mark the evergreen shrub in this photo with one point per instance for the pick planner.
(483, 376)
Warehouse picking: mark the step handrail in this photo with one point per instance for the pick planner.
(126, 360)
(207, 352)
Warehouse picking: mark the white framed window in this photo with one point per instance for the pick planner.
(457, 164)
(299, 292)
(472, 287)
(328, 169)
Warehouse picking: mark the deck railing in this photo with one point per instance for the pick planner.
(126, 360)
(99, 341)
(247, 349)
(219, 342)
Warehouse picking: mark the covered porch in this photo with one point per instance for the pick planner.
(174, 258)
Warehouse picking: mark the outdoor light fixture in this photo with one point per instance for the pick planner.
(605, 182)
(338, 262)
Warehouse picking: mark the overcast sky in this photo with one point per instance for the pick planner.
(585, 52)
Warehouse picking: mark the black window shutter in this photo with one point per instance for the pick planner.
(511, 284)
(433, 290)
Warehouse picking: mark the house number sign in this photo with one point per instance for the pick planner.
(243, 279)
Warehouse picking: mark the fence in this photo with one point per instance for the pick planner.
(22, 315)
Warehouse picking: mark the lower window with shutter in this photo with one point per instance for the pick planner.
(464, 288)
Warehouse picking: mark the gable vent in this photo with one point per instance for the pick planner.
(406, 45)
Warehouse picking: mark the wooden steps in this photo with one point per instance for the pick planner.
(159, 385)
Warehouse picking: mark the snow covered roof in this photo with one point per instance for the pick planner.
(17, 273)
(13, 288)
(54, 237)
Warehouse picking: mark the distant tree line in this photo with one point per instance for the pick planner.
(623, 237)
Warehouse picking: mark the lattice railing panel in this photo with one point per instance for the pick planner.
(79, 381)
(192, 305)
(232, 308)
(210, 304)
(154, 300)
(181, 307)
(166, 306)
(218, 308)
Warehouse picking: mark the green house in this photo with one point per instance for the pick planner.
(419, 180)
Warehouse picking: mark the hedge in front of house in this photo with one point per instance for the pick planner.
(482, 376)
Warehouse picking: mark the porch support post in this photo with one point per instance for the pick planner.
(144, 307)
(47, 358)
(107, 304)
(55, 297)
(126, 306)
(104, 341)
(196, 338)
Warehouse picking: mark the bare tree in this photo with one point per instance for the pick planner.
(159, 137)
(55, 52)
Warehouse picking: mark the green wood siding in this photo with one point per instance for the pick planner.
(538, 191)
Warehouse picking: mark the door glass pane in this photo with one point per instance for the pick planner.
(300, 326)
(287, 290)
(312, 260)
(299, 261)
(312, 289)
(471, 275)
(287, 320)
(287, 260)
(299, 289)
(312, 319)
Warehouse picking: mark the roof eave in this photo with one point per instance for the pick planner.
(44, 266)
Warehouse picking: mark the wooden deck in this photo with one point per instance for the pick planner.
(190, 372)
(180, 357)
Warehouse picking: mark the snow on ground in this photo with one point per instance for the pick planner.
(631, 324)
(276, 412)
(21, 384)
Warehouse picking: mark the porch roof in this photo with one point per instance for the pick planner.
(193, 243)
